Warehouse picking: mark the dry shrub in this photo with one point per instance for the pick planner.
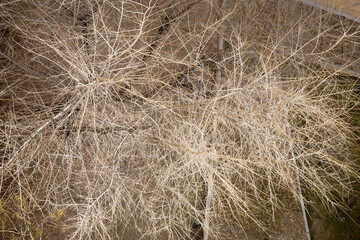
(114, 124)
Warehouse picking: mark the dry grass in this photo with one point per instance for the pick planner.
(113, 124)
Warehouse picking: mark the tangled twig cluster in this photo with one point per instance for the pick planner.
(113, 119)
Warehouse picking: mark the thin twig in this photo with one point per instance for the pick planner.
(210, 177)
(34, 134)
(22, 66)
(303, 210)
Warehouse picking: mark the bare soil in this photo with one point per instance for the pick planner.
(351, 7)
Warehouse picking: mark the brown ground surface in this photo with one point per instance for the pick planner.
(351, 7)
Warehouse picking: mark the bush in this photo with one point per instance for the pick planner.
(123, 119)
